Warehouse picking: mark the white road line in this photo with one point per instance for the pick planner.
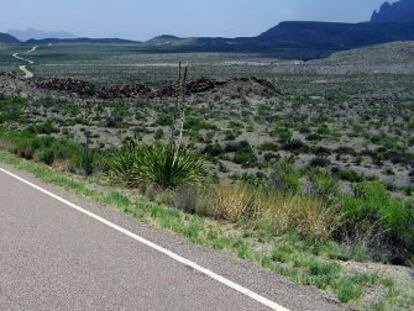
(260, 299)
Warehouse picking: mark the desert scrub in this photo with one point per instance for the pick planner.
(284, 178)
(66, 155)
(384, 223)
(163, 165)
(302, 259)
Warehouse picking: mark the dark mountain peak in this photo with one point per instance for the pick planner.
(8, 39)
(398, 12)
(164, 39)
(167, 37)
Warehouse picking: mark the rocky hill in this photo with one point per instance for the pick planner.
(398, 12)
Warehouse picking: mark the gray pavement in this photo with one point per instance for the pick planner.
(52, 257)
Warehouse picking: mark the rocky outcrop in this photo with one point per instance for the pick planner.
(399, 12)
(67, 85)
(124, 91)
(232, 87)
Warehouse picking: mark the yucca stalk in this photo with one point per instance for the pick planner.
(178, 126)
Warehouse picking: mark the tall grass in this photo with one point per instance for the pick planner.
(276, 212)
(369, 218)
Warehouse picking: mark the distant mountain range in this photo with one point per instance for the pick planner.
(300, 40)
(32, 33)
(81, 41)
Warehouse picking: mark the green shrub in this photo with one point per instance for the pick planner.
(269, 146)
(348, 175)
(386, 222)
(158, 164)
(285, 177)
(323, 184)
(45, 128)
(165, 120)
(245, 155)
(48, 150)
(283, 133)
(320, 161)
(295, 146)
(214, 150)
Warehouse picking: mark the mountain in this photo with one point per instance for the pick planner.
(300, 40)
(291, 40)
(398, 12)
(321, 38)
(31, 33)
(81, 41)
(307, 40)
(165, 40)
(6, 39)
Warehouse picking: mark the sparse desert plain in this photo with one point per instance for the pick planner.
(329, 138)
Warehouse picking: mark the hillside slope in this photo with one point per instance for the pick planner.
(389, 58)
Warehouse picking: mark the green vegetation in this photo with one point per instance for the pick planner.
(65, 155)
(303, 183)
(304, 260)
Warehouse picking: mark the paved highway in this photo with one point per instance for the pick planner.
(61, 252)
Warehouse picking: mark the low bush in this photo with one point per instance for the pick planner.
(295, 146)
(244, 154)
(385, 223)
(284, 178)
(51, 151)
(319, 161)
(213, 150)
(45, 128)
(323, 185)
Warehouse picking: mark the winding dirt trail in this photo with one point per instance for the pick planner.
(27, 73)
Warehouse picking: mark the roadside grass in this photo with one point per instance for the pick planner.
(302, 260)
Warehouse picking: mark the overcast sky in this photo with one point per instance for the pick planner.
(141, 20)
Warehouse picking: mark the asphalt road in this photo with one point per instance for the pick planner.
(54, 257)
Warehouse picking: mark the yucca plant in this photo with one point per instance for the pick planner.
(157, 164)
(165, 165)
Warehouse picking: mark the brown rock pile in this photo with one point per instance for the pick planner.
(232, 87)
(124, 91)
(67, 85)
(191, 87)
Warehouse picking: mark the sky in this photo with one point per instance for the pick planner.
(142, 20)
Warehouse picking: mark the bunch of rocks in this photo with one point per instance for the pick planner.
(232, 87)
(191, 87)
(124, 91)
(67, 85)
